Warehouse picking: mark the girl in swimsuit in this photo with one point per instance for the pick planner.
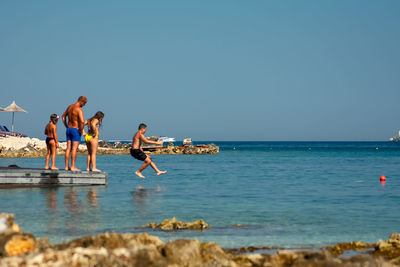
(51, 141)
(92, 139)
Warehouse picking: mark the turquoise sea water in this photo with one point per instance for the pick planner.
(285, 194)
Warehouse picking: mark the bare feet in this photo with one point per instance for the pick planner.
(96, 170)
(46, 168)
(55, 168)
(67, 168)
(75, 169)
(161, 172)
(138, 173)
(88, 170)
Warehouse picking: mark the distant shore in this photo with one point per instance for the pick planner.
(33, 147)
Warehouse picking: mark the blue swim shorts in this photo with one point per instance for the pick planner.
(73, 135)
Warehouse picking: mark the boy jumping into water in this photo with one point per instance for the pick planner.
(137, 151)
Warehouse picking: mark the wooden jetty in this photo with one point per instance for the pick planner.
(16, 176)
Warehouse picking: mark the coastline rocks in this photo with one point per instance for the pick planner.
(116, 145)
(340, 248)
(13, 241)
(22, 147)
(186, 150)
(183, 252)
(389, 249)
(174, 224)
(114, 249)
(32, 147)
(187, 142)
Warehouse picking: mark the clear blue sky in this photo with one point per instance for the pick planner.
(210, 70)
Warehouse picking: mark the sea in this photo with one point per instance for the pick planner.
(294, 195)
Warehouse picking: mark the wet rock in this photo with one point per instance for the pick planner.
(174, 224)
(339, 248)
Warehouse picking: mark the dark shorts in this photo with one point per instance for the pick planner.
(73, 135)
(138, 154)
(48, 139)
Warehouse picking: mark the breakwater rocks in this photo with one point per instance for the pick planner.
(188, 148)
(32, 147)
(114, 249)
(173, 224)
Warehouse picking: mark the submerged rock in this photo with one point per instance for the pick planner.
(174, 224)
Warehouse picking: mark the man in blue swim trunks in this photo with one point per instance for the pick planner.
(74, 132)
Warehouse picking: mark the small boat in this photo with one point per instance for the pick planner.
(13, 176)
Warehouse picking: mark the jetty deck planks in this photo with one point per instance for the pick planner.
(41, 177)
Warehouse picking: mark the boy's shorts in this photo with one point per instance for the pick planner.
(73, 135)
(138, 154)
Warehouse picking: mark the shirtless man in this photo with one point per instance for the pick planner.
(137, 151)
(74, 132)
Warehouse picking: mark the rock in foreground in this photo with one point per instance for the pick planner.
(13, 241)
(113, 249)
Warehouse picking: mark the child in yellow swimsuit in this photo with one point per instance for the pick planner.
(92, 139)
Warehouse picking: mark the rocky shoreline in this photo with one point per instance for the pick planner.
(32, 147)
(18, 248)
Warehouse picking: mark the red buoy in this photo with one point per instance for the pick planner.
(383, 178)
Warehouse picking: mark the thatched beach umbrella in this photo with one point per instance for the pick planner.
(13, 108)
